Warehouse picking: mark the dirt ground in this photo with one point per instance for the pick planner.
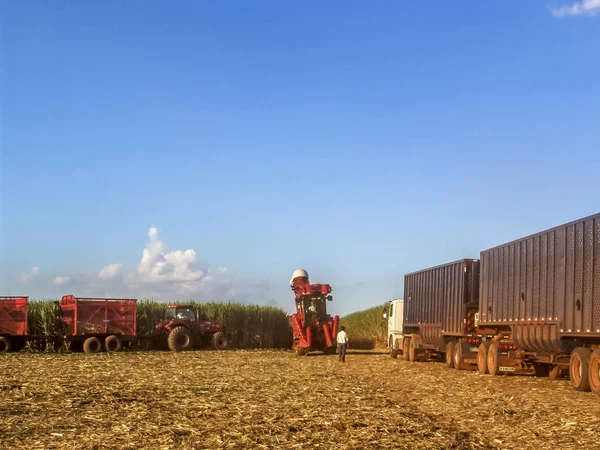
(273, 399)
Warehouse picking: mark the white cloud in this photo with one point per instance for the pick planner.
(160, 264)
(161, 273)
(27, 276)
(585, 7)
(110, 271)
(62, 280)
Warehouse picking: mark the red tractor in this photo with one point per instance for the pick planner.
(184, 329)
(313, 328)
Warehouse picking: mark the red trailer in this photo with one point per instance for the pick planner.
(13, 323)
(88, 323)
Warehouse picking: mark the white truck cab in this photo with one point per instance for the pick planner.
(393, 311)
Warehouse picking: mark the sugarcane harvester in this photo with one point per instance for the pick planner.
(313, 328)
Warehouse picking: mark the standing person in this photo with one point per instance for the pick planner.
(342, 342)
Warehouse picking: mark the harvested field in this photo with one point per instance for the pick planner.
(273, 399)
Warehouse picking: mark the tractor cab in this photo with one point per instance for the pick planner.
(180, 312)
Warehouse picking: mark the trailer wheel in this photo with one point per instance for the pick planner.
(113, 344)
(492, 359)
(406, 349)
(92, 345)
(412, 350)
(220, 341)
(482, 355)
(458, 356)
(450, 355)
(594, 372)
(4, 344)
(301, 351)
(556, 372)
(578, 369)
(179, 339)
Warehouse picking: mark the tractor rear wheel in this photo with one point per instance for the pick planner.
(113, 344)
(220, 341)
(92, 345)
(579, 368)
(450, 355)
(4, 344)
(180, 339)
(482, 352)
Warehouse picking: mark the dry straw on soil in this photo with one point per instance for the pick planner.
(273, 399)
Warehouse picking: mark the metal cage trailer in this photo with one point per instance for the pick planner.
(440, 307)
(540, 299)
(94, 324)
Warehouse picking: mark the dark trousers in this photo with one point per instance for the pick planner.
(342, 352)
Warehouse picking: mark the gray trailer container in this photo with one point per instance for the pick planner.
(544, 292)
(440, 308)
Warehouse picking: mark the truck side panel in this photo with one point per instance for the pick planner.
(436, 299)
(552, 277)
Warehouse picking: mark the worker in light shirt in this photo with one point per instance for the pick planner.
(342, 343)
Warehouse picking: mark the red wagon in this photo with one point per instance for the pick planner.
(13, 323)
(91, 324)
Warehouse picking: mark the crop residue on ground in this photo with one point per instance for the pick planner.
(273, 399)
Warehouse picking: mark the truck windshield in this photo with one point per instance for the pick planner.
(170, 313)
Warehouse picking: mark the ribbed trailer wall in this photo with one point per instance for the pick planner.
(545, 286)
(436, 299)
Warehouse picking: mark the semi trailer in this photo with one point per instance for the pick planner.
(530, 306)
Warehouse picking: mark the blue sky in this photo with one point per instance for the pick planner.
(357, 141)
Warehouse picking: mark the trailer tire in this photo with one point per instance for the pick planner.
(594, 372)
(458, 356)
(220, 341)
(406, 348)
(412, 350)
(450, 355)
(92, 345)
(113, 344)
(579, 369)
(492, 359)
(556, 372)
(180, 339)
(482, 354)
(4, 345)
